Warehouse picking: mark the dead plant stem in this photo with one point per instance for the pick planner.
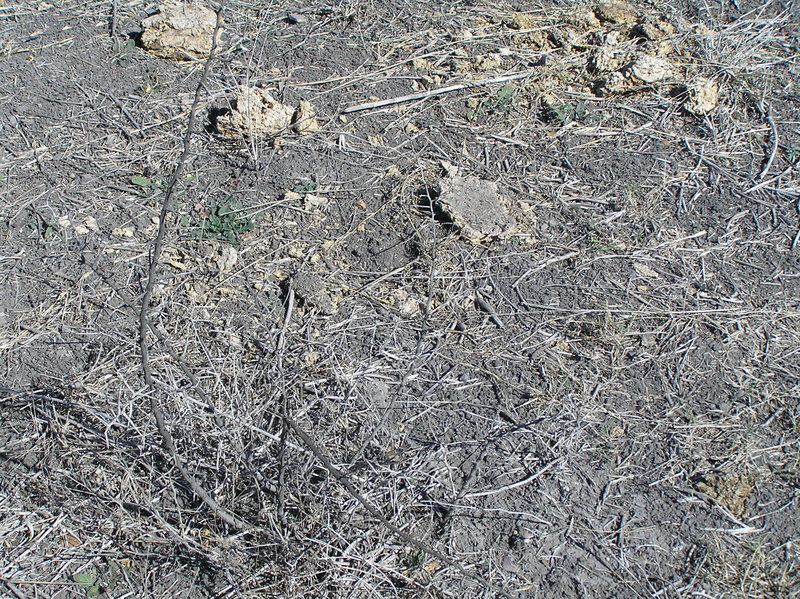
(152, 277)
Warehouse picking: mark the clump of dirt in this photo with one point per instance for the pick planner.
(304, 120)
(643, 71)
(312, 291)
(616, 12)
(180, 31)
(256, 113)
(475, 207)
(731, 492)
(703, 96)
(615, 48)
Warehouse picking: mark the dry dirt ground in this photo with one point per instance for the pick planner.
(337, 386)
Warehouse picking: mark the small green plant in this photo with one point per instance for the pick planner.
(146, 183)
(95, 582)
(47, 228)
(50, 230)
(413, 560)
(305, 186)
(499, 101)
(87, 581)
(225, 221)
(121, 50)
(566, 113)
(152, 86)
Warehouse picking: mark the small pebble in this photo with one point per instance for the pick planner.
(296, 18)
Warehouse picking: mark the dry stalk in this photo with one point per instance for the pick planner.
(144, 323)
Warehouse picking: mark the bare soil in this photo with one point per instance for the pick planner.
(360, 398)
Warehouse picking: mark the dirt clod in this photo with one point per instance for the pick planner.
(180, 31)
(475, 207)
(255, 114)
(650, 69)
(311, 290)
(703, 96)
(654, 28)
(731, 492)
(304, 120)
(616, 12)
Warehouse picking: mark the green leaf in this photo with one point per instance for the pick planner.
(304, 186)
(506, 92)
(141, 181)
(130, 44)
(84, 578)
(93, 591)
(563, 112)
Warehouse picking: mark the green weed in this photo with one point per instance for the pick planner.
(88, 582)
(225, 222)
(94, 583)
(566, 113)
(146, 183)
(121, 51)
(501, 100)
(305, 186)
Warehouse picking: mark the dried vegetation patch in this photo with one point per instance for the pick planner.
(399, 299)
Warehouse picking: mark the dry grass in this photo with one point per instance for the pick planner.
(532, 417)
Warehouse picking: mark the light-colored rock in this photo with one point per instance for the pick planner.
(615, 83)
(226, 258)
(654, 28)
(304, 120)
(313, 293)
(616, 12)
(180, 31)
(89, 225)
(731, 491)
(475, 207)
(313, 202)
(703, 96)
(583, 18)
(609, 56)
(522, 20)
(651, 69)
(123, 232)
(256, 114)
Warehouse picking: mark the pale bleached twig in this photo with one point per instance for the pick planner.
(519, 483)
(774, 150)
(433, 92)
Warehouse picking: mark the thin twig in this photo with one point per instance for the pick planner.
(113, 18)
(433, 92)
(125, 112)
(520, 483)
(152, 277)
(774, 150)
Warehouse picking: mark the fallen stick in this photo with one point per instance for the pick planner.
(433, 92)
(144, 321)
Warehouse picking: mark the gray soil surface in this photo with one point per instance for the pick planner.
(598, 396)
